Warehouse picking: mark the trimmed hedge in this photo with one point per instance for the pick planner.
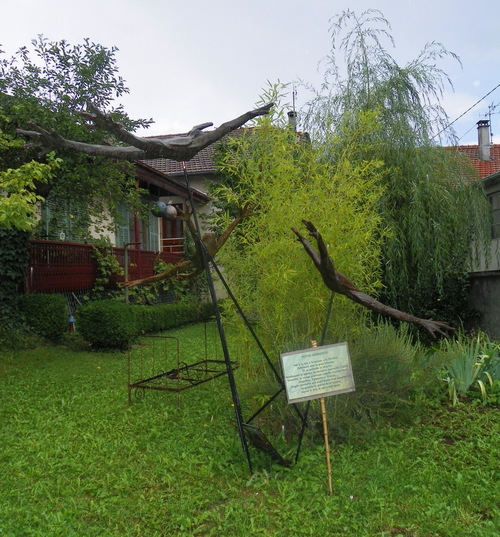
(111, 324)
(45, 314)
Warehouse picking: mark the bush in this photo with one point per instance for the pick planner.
(110, 324)
(106, 323)
(17, 337)
(392, 374)
(45, 314)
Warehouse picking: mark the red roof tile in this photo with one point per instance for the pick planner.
(484, 167)
(200, 164)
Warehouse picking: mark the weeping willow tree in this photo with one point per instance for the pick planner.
(286, 179)
(438, 220)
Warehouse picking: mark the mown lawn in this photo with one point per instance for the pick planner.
(77, 460)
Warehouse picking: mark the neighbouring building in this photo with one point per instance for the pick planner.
(485, 276)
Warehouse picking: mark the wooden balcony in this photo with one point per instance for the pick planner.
(56, 266)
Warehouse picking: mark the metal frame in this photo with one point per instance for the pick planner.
(158, 366)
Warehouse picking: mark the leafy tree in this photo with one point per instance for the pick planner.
(288, 179)
(438, 219)
(51, 84)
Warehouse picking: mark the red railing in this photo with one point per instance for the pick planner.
(56, 266)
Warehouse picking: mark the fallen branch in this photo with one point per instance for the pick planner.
(190, 268)
(338, 283)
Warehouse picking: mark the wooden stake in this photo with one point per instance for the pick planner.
(325, 435)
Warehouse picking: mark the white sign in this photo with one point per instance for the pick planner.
(317, 372)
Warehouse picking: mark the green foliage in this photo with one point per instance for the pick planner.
(77, 461)
(13, 259)
(287, 180)
(14, 335)
(472, 367)
(438, 221)
(394, 377)
(49, 84)
(111, 324)
(391, 374)
(63, 77)
(108, 270)
(45, 314)
(18, 186)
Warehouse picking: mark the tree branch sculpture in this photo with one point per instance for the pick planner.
(179, 148)
(338, 283)
(193, 266)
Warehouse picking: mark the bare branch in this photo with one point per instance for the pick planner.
(180, 148)
(338, 283)
(194, 265)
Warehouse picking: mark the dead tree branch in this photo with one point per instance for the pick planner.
(192, 267)
(179, 148)
(338, 283)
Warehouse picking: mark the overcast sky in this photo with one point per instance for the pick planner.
(191, 61)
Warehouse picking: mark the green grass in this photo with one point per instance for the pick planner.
(76, 460)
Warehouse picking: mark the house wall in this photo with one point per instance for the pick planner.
(484, 295)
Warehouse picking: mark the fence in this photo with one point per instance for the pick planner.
(56, 266)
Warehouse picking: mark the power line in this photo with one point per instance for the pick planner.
(468, 110)
(489, 114)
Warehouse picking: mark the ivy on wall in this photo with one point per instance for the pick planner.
(14, 255)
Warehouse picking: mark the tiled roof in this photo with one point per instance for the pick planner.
(200, 164)
(484, 167)
(152, 175)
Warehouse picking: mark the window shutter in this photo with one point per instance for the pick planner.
(123, 226)
(153, 235)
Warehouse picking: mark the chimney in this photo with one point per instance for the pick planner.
(292, 120)
(483, 136)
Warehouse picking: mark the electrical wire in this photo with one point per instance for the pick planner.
(489, 113)
(468, 110)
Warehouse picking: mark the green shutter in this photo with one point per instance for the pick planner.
(123, 235)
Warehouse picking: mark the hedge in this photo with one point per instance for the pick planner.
(111, 324)
(45, 314)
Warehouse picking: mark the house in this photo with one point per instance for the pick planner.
(484, 296)
(61, 259)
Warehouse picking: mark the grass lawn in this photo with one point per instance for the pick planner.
(77, 460)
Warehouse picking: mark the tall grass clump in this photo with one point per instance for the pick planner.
(471, 367)
(391, 373)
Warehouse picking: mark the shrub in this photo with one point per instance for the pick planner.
(17, 337)
(393, 377)
(390, 373)
(110, 324)
(45, 314)
(106, 323)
